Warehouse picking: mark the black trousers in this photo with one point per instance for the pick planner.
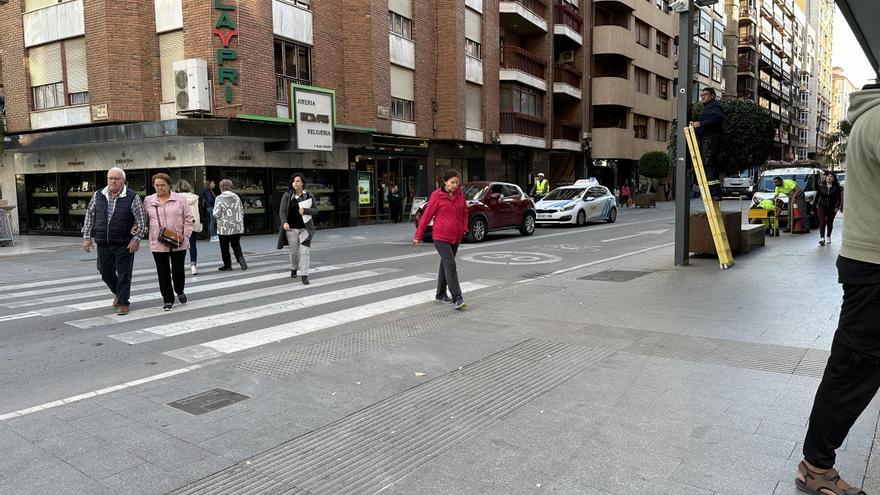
(116, 264)
(710, 151)
(852, 375)
(169, 268)
(448, 276)
(395, 212)
(225, 241)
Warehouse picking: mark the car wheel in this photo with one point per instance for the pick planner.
(528, 224)
(612, 217)
(581, 218)
(477, 231)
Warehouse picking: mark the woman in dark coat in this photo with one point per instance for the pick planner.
(827, 205)
(395, 203)
(297, 227)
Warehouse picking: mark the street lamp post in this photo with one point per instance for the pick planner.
(685, 88)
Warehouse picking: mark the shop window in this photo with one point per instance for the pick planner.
(400, 25)
(51, 85)
(402, 109)
(293, 64)
(640, 126)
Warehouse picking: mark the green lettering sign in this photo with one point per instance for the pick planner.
(219, 5)
(231, 74)
(225, 54)
(225, 21)
(228, 94)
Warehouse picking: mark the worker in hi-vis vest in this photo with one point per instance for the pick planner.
(542, 187)
(774, 206)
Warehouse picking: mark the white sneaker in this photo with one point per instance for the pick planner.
(828, 239)
(194, 269)
(215, 239)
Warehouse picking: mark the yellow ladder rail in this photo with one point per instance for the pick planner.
(713, 209)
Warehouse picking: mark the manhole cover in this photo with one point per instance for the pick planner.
(615, 276)
(206, 402)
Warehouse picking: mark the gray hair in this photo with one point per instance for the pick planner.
(117, 169)
(183, 186)
(225, 185)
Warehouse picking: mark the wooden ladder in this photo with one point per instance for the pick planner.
(713, 209)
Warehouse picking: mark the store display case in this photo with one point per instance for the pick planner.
(76, 191)
(250, 186)
(43, 204)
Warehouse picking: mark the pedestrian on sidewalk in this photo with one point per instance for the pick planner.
(827, 206)
(395, 203)
(229, 215)
(624, 196)
(111, 216)
(852, 373)
(184, 188)
(208, 199)
(171, 223)
(297, 227)
(448, 210)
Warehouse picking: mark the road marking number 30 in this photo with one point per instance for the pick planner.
(511, 258)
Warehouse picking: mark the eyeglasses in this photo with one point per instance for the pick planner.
(115, 178)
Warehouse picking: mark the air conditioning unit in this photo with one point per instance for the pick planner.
(566, 56)
(191, 86)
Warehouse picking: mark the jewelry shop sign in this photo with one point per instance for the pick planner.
(314, 113)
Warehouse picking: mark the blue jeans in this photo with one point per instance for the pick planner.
(212, 225)
(193, 249)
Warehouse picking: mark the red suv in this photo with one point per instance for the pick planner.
(493, 206)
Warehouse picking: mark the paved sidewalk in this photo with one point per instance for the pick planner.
(682, 380)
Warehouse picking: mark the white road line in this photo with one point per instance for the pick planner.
(216, 320)
(19, 316)
(103, 391)
(597, 262)
(106, 320)
(278, 333)
(647, 232)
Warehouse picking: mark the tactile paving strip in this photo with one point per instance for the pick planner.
(615, 276)
(368, 450)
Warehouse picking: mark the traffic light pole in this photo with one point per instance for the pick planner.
(685, 90)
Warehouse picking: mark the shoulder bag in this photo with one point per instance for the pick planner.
(168, 237)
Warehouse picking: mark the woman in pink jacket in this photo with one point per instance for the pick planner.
(448, 209)
(169, 210)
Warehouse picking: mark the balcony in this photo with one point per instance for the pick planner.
(746, 67)
(566, 136)
(520, 129)
(746, 93)
(614, 40)
(473, 70)
(749, 14)
(567, 81)
(53, 23)
(522, 66)
(748, 40)
(613, 91)
(569, 23)
(523, 17)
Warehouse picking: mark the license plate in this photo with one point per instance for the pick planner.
(544, 215)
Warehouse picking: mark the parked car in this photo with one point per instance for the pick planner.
(807, 179)
(493, 206)
(577, 204)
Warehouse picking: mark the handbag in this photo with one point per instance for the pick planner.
(168, 237)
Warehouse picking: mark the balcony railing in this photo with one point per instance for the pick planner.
(523, 124)
(568, 16)
(514, 57)
(745, 66)
(748, 13)
(568, 74)
(748, 40)
(566, 130)
(536, 6)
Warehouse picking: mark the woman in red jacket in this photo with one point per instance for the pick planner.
(448, 210)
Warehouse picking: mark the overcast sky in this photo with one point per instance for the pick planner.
(847, 53)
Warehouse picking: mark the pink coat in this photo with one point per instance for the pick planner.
(175, 215)
(450, 215)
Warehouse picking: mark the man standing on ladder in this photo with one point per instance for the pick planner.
(541, 188)
(710, 132)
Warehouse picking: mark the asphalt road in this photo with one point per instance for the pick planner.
(59, 337)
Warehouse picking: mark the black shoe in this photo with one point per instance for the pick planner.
(167, 306)
(459, 304)
(243, 263)
(182, 298)
(225, 269)
(305, 280)
(292, 273)
(443, 298)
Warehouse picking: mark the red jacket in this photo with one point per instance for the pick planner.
(450, 217)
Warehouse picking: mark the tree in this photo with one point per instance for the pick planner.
(748, 136)
(835, 146)
(654, 165)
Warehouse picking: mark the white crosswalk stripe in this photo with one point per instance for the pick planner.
(211, 321)
(256, 338)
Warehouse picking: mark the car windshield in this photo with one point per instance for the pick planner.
(767, 184)
(472, 191)
(565, 194)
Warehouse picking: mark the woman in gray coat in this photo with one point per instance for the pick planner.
(297, 227)
(230, 225)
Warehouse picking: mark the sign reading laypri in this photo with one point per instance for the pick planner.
(225, 29)
(314, 119)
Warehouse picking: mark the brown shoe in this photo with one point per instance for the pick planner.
(122, 310)
(115, 301)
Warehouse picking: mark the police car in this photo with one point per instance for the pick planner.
(582, 202)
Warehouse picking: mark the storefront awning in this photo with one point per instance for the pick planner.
(862, 17)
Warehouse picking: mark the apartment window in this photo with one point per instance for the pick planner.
(663, 5)
(640, 126)
(641, 77)
(703, 26)
(718, 35)
(473, 49)
(662, 44)
(53, 86)
(643, 34)
(803, 117)
(402, 109)
(702, 62)
(716, 68)
(662, 88)
(400, 25)
(292, 65)
(523, 100)
(661, 130)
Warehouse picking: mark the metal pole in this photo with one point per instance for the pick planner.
(685, 89)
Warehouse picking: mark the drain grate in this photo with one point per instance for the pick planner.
(206, 402)
(615, 276)
(371, 448)
(535, 275)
